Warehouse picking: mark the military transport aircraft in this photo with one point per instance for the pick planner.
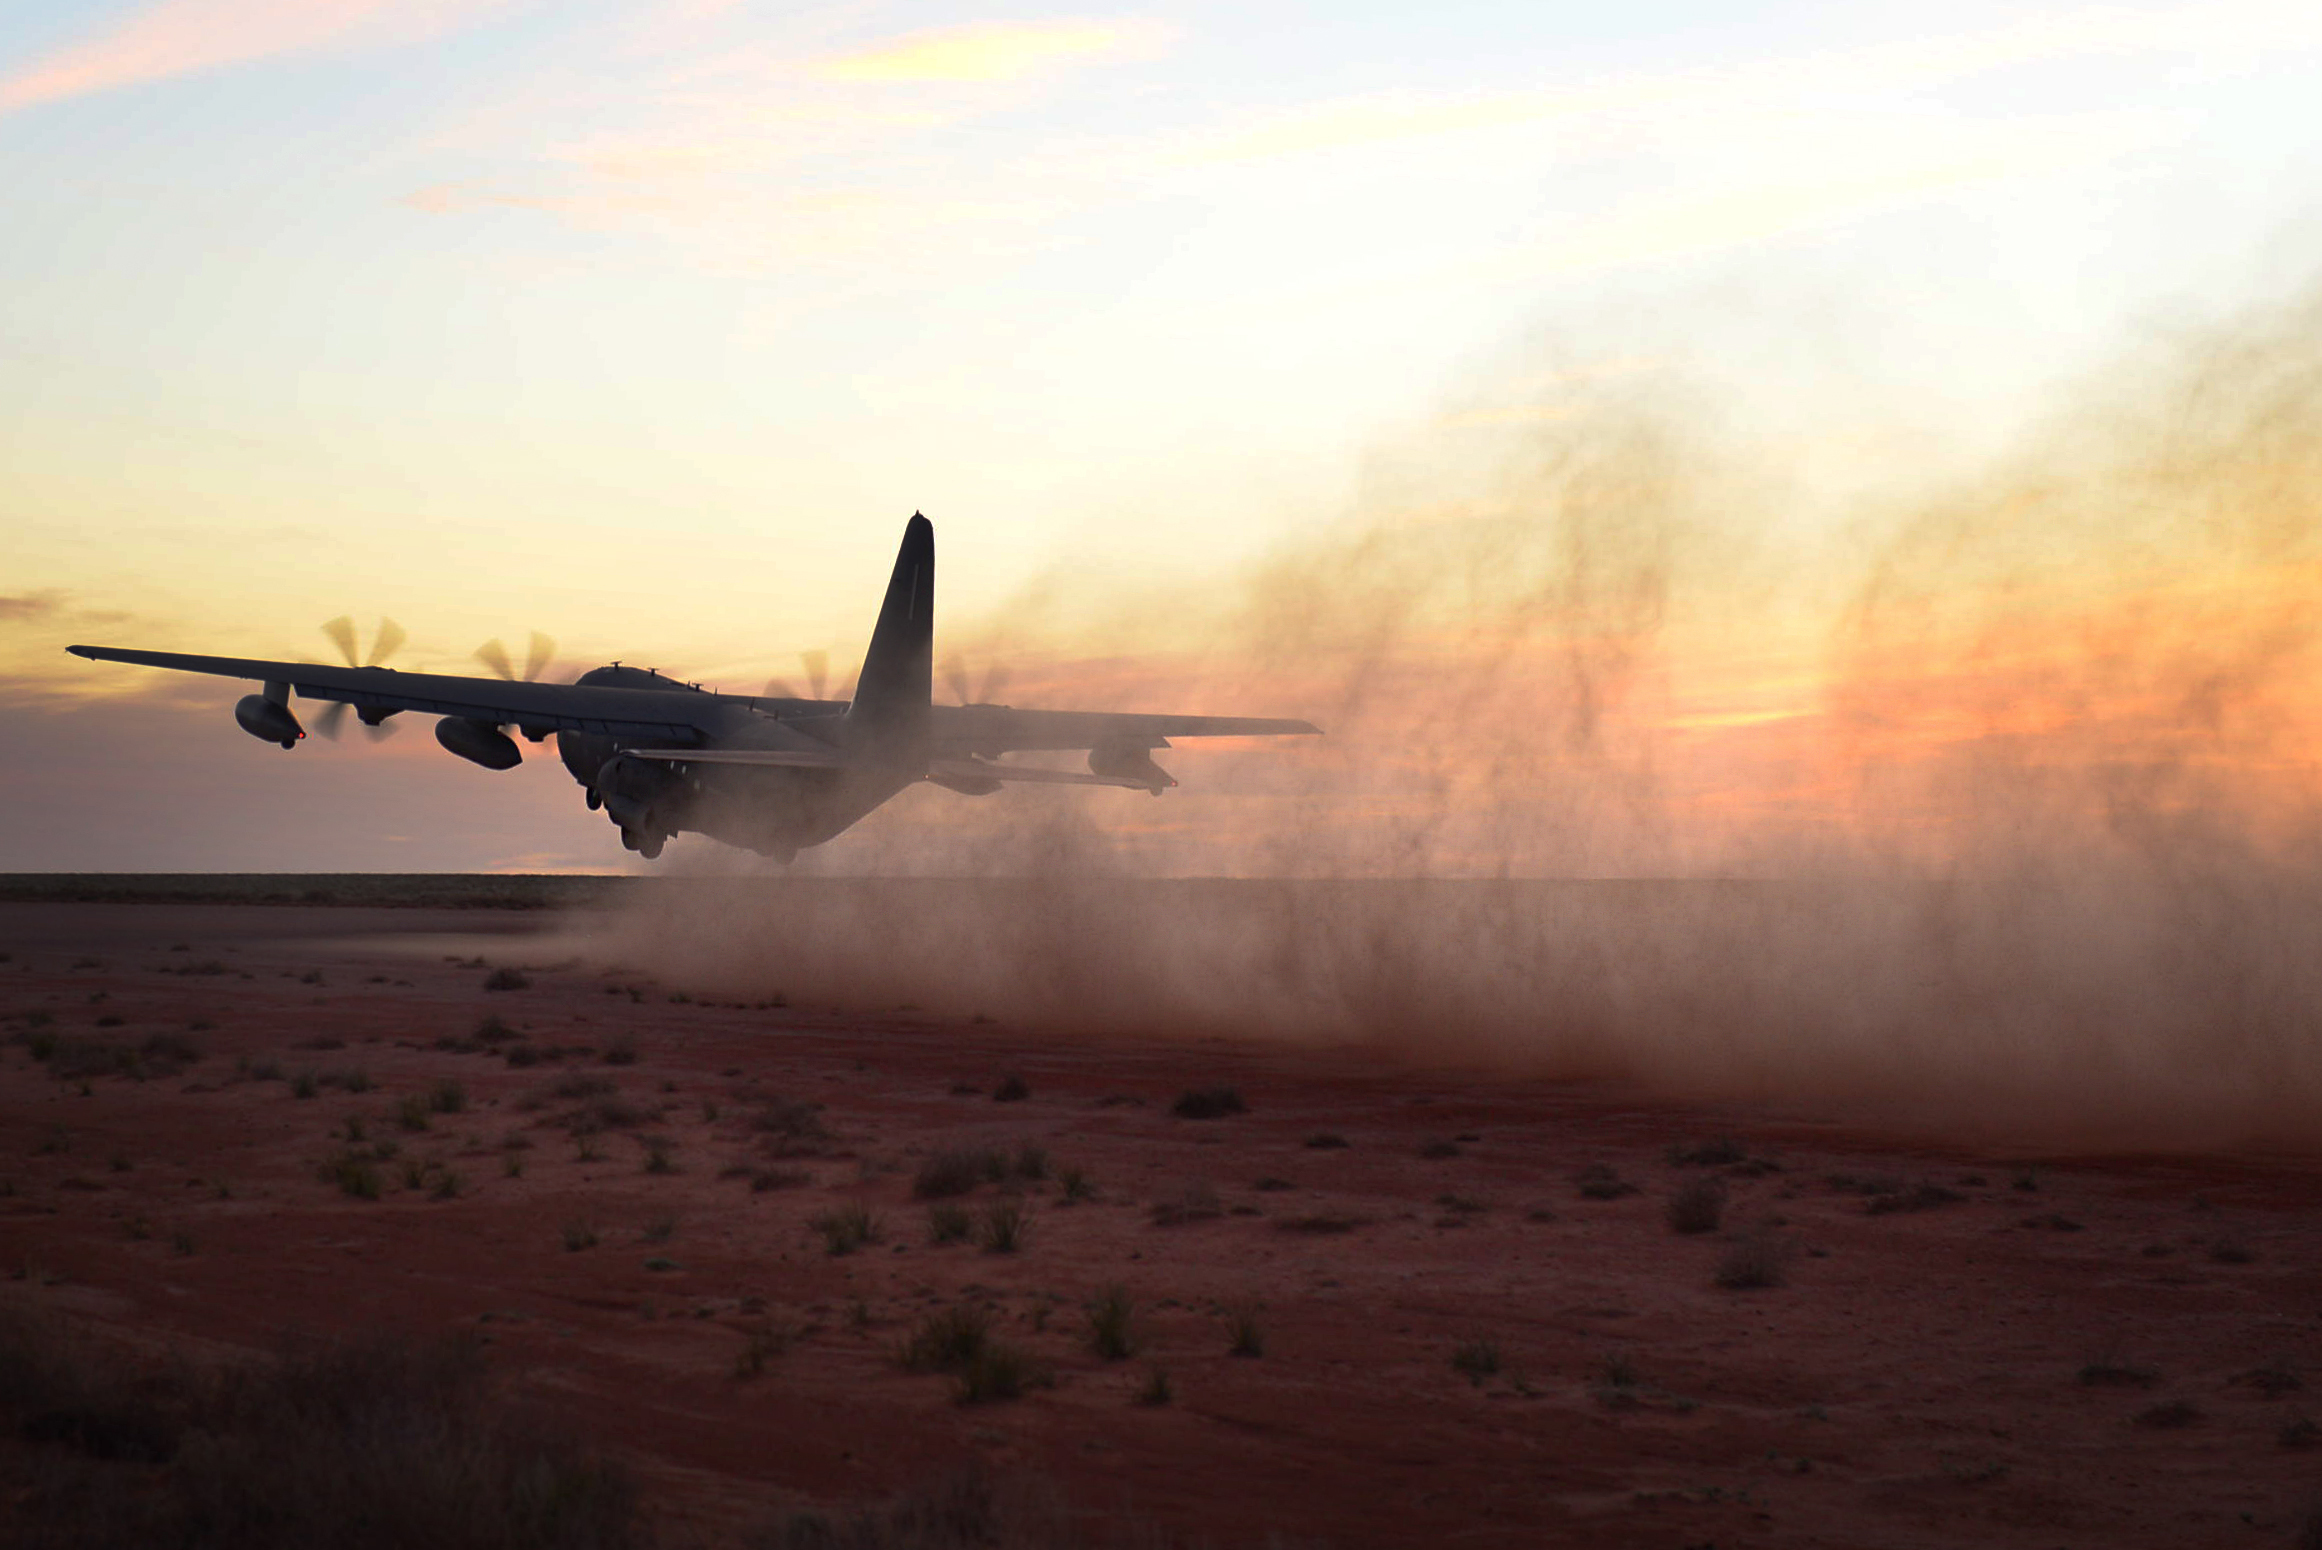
(772, 774)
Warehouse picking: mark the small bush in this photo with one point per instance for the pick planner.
(1245, 1336)
(2169, 1414)
(1922, 1196)
(1326, 1141)
(1012, 1089)
(846, 1228)
(660, 1229)
(579, 1236)
(1156, 1389)
(1031, 1162)
(793, 1126)
(1319, 1225)
(1074, 1185)
(493, 1031)
(1718, 1152)
(1112, 1318)
(507, 979)
(1598, 1181)
(1476, 1360)
(1209, 1103)
(760, 1346)
(2117, 1372)
(947, 1340)
(997, 1371)
(355, 1173)
(778, 1178)
(447, 1097)
(1758, 1260)
(2232, 1251)
(2298, 1432)
(956, 1172)
(949, 1223)
(621, 1051)
(1439, 1149)
(446, 1187)
(412, 1111)
(1004, 1227)
(305, 1085)
(1697, 1206)
(661, 1264)
(657, 1158)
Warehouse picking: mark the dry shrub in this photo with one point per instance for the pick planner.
(380, 1443)
(1697, 1206)
(1757, 1260)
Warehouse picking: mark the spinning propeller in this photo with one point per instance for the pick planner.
(536, 658)
(817, 664)
(385, 642)
(994, 685)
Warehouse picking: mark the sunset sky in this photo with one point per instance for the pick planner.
(647, 324)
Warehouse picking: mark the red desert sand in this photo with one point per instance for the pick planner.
(1388, 1305)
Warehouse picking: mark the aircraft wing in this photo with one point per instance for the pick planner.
(945, 769)
(672, 715)
(1002, 728)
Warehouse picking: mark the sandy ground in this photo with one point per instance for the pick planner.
(1917, 1378)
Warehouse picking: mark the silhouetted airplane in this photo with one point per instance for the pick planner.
(771, 774)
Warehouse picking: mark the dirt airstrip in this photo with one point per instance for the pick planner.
(1467, 1315)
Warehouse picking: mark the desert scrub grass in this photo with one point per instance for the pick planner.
(1717, 1152)
(1697, 1206)
(949, 1174)
(620, 1051)
(1073, 1185)
(305, 1085)
(358, 1446)
(1476, 1360)
(946, 1340)
(579, 1235)
(998, 1371)
(764, 1179)
(660, 1230)
(1599, 1181)
(447, 1097)
(657, 1158)
(585, 1148)
(1004, 1226)
(760, 1345)
(414, 1112)
(1755, 1260)
(512, 1165)
(1922, 1196)
(844, 1229)
(1012, 1089)
(949, 1222)
(354, 1173)
(507, 979)
(1209, 1103)
(1245, 1336)
(2110, 1369)
(447, 1186)
(2169, 1415)
(1326, 1141)
(1155, 1390)
(1112, 1324)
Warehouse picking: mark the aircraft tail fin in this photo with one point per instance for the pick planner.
(897, 682)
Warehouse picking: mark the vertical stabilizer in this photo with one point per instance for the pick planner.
(892, 695)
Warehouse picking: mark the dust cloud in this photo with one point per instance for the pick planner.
(1991, 812)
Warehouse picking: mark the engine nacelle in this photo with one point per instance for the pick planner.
(268, 719)
(478, 742)
(1129, 760)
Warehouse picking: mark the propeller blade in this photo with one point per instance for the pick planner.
(378, 732)
(817, 670)
(386, 643)
(333, 720)
(342, 633)
(495, 656)
(777, 689)
(955, 676)
(538, 656)
(995, 684)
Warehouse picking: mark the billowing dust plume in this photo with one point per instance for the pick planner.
(1996, 811)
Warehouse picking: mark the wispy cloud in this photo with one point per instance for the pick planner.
(994, 51)
(178, 37)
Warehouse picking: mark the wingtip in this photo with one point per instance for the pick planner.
(83, 651)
